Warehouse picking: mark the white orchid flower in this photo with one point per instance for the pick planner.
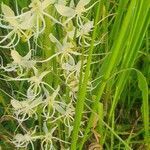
(48, 139)
(67, 116)
(25, 25)
(51, 105)
(17, 26)
(71, 12)
(21, 22)
(66, 49)
(25, 109)
(38, 10)
(47, 142)
(23, 140)
(67, 68)
(21, 63)
(72, 74)
(37, 85)
(82, 33)
(73, 69)
(73, 83)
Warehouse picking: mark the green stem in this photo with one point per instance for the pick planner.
(82, 89)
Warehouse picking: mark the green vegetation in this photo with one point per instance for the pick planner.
(74, 74)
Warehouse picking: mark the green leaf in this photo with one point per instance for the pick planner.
(142, 83)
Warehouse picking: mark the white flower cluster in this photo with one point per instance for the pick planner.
(51, 104)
